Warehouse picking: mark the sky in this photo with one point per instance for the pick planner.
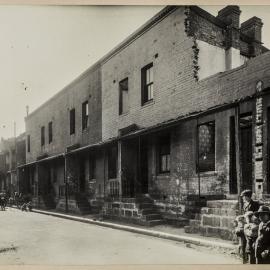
(44, 48)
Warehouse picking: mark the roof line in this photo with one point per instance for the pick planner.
(132, 37)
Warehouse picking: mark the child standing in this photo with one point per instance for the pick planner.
(251, 234)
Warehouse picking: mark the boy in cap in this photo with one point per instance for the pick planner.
(262, 245)
(248, 203)
(251, 234)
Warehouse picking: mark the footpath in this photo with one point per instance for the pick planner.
(161, 231)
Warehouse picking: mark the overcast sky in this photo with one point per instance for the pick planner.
(43, 48)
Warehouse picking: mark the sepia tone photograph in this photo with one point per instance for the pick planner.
(134, 135)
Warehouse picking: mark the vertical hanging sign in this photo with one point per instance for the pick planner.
(259, 142)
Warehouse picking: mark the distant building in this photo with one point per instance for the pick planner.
(176, 116)
(12, 155)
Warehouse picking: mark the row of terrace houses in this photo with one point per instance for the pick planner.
(172, 124)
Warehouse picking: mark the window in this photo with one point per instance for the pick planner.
(85, 115)
(42, 139)
(123, 97)
(50, 132)
(112, 162)
(206, 147)
(164, 154)
(72, 121)
(28, 143)
(147, 83)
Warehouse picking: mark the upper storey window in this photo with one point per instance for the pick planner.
(85, 115)
(123, 97)
(147, 83)
(72, 121)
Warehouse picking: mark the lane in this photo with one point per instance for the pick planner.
(38, 239)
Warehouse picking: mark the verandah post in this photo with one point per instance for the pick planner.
(238, 154)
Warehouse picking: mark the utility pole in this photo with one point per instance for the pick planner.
(16, 167)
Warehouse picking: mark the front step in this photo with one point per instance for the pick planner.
(140, 210)
(216, 219)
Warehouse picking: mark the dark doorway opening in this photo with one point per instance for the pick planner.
(82, 175)
(268, 150)
(143, 166)
(246, 150)
(233, 174)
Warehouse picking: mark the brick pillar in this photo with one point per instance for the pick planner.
(119, 153)
(259, 147)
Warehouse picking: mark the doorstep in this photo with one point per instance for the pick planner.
(161, 231)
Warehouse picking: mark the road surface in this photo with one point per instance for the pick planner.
(31, 238)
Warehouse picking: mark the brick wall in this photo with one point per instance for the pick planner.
(86, 88)
(176, 91)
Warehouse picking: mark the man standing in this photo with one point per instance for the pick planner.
(262, 246)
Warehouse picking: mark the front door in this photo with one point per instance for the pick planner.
(246, 151)
(82, 176)
(144, 166)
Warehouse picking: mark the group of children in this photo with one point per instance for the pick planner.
(253, 231)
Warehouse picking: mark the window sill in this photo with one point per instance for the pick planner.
(123, 114)
(148, 103)
(207, 174)
(163, 175)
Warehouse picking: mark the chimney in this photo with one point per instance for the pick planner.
(230, 15)
(253, 29)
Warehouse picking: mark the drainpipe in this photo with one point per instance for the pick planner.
(198, 159)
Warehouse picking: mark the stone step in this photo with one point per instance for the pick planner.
(155, 222)
(191, 229)
(200, 203)
(147, 211)
(218, 221)
(145, 205)
(222, 233)
(220, 211)
(194, 223)
(152, 217)
(231, 204)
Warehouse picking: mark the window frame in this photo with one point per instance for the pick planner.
(42, 135)
(85, 115)
(121, 95)
(160, 155)
(28, 144)
(212, 167)
(72, 121)
(144, 84)
(50, 131)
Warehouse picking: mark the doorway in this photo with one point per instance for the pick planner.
(246, 150)
(143, 165)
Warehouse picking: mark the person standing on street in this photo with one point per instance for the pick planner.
(262, 245)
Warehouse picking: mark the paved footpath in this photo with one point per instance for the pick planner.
(33, 238)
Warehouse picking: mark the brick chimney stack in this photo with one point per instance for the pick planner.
(253, 29)
(231, 16)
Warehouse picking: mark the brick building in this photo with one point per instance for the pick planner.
(175, 116)
(12, 155)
